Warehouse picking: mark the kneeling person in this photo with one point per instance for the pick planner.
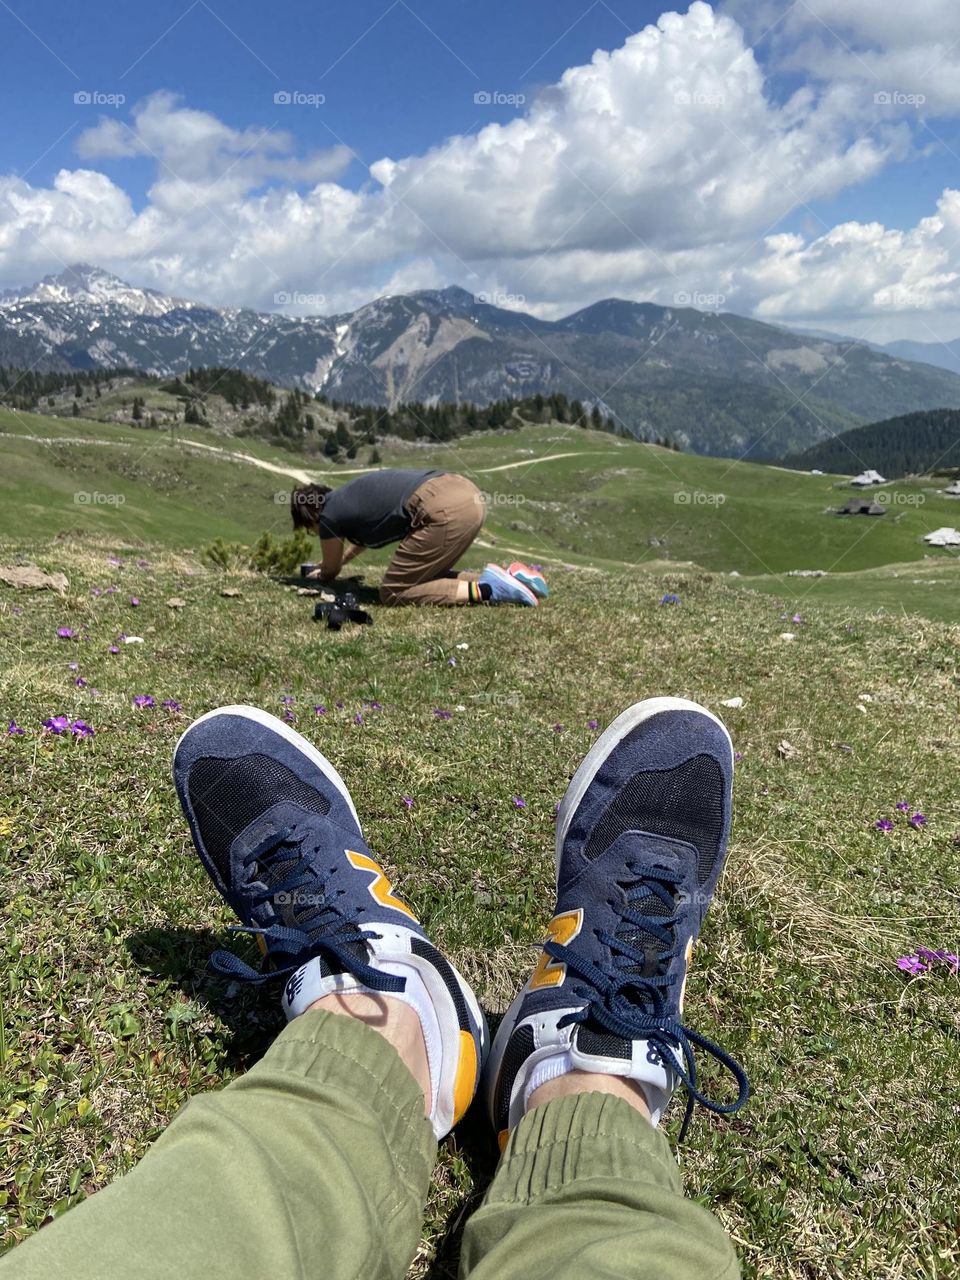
(433, 515)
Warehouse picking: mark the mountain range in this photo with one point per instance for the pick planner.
(715, 382)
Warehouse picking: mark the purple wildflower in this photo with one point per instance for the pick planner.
(358, 718)
(114, 648)
(339, 706)
(143, 700)
(519, 802)
(170, 704)
(796, 618)
(593, 724)
(288, 716)
(451, 661)
(65, 633)
(320, 710)
(287, 700)
(374, 706)
(883, 824)
(669, 598)
(80, 729)
(134, 600)
(14, 730)
(558, 728)
(80, 682)
(112, 591)
(73, 666)
(901, 806)
(408, 801)
(918, 820)
(114, 561)
(441, 714)
(57, 724)
(144, 564)
(926, 958)
(737, 757)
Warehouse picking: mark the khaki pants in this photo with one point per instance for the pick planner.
(447, 513)
(315, 1166)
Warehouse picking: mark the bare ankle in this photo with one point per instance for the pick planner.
(395, 1021)
(574, 1082)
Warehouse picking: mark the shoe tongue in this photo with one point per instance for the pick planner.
(646, 904)
(644, 901)
(304, 908)
(281, 816)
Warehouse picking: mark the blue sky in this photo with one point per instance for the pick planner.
(719, 133)
(397, 78)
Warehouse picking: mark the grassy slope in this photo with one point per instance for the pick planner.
(614, 504)
(844, 1163)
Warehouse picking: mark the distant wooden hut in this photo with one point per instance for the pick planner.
(861, 507)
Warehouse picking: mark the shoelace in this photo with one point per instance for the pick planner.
(634, 1006)
(313, 936)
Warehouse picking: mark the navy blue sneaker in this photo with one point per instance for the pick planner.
(277, 832)
(641, 838)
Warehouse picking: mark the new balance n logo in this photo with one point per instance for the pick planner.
(380, 888)
(563, 929)
(292, 989)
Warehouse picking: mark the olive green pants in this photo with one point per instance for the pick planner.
(315, 1165)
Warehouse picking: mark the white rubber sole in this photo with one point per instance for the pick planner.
(624, 724)
(296, 739)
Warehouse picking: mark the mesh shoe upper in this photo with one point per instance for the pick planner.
(277, 832)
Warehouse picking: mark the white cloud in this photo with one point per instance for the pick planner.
(657, 169)
(891, 50)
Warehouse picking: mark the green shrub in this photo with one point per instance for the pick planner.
(228, 556)
(283, 555)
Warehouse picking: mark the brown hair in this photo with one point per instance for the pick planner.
(306, 503)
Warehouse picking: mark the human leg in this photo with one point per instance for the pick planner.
(587, 1184)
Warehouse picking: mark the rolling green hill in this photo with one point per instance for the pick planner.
(557, 494)
(914, 444)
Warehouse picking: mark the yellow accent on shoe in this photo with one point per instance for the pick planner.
(465, 1084)
(380, 887)
(688, 958)
(563, 929)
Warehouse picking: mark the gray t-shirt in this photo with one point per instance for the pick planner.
(371, 510)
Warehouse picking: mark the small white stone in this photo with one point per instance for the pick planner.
(736, 703)
(787, 635)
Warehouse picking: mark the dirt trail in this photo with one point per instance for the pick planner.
(294, 473)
